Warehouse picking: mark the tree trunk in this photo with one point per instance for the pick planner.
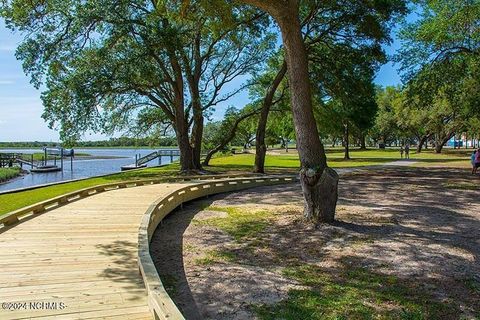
(439, 143)
(186, 152)
(260, 147)
(181, 122)
(421, 142)
(363, 144)
(319, 183)
(197, 134)
(346, 142)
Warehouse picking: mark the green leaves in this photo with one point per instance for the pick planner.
(439, 58)
(108, 65)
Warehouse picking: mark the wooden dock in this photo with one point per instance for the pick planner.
(78, 261)
(141, 162)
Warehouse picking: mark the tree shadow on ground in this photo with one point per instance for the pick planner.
(399, 234)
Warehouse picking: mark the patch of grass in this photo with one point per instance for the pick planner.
(472, 284)
(282, 162)
(241, 224)
(361, 241)
(354, 293)
(461, 185)
(9, 173)
(215, 256)
(189, 247)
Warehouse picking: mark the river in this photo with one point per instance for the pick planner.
(82, 168)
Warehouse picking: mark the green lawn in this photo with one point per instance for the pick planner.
(394, 153)
(335, 159)
(291, 161)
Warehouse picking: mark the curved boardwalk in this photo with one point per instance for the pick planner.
(78, 261)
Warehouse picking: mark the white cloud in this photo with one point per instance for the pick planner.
(6, 82)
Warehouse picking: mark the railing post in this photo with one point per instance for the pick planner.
(61, 158)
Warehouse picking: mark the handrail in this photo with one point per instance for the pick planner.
(15, 217)
(159, 302)
(149, 157)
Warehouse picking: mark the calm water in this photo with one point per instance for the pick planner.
(81, 168)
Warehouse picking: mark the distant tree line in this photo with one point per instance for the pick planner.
(112, 142)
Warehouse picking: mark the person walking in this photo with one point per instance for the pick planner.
(407, 151)
(472, 160)
(401, 152)
(477, 161)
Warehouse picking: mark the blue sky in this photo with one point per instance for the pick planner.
(21, 107)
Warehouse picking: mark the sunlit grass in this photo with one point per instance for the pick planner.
(8, 173)
(335, 158)
(280, 162)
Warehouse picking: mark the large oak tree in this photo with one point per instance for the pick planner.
(104, 63)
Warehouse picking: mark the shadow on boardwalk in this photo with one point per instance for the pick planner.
(124, 268)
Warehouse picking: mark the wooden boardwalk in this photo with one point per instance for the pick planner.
(78, 261)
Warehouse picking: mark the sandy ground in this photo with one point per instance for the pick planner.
(420, 225)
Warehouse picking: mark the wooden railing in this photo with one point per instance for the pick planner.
(159, 302)
(16, 216)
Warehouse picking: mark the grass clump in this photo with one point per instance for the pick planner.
(240, 223)
(352, 293)
(461, 185)
(8, 173)
(472, 284)
(215, 256)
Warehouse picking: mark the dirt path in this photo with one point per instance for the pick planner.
(406, 246)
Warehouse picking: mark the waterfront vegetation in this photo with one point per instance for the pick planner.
(8, 173)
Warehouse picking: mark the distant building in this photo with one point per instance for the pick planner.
(456, 142)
